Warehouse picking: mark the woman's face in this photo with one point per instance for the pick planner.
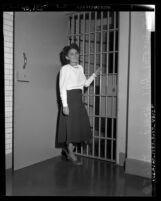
(73, 56)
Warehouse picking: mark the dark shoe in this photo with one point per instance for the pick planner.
(64, 153)
(74, 150)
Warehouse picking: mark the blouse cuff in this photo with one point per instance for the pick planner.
(64, 104)
(94, 75)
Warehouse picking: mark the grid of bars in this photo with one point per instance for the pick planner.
(96, 33)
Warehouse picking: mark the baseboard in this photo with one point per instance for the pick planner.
(9, 161)
(138, 167)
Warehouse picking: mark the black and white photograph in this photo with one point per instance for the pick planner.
(79, 100)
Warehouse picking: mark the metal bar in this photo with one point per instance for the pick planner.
(116, 85)
(107, 48)
(114, 38)
(116, 29)
(115, 97)
(89, 38)
(83, 52)
(108, 138)
(112, 139)
(68, 29)
(88, 88)
(86, 54)
(89, 43)
(74, 28)
(72, 35)
(99, 134)
(107, 58)
(98, 95)
(96, 157)
(88, 98)
(103, 116)
(106, 132)
(95, 20)
(113, 85)
(78, 45)
(78, 30)
(104, 52)
(83, 34)
(116, 51)
(100, 103)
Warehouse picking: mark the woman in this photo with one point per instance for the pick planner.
(74, 125)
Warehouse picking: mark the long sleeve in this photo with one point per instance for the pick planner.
(62, 86)
(89, 80)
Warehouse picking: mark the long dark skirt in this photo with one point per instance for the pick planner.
(74, 128)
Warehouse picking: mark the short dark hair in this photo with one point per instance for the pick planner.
(65, 51)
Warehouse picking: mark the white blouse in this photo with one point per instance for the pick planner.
(72, 78)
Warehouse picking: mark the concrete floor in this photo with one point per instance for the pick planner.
(58, 177)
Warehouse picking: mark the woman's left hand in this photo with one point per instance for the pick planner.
(66, 110)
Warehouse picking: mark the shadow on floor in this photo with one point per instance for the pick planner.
(58, 177)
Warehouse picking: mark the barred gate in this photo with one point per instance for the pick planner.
(96, 33)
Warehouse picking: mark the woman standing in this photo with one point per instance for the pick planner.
(74, 125)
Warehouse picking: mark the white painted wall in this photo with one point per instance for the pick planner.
(41, 35)
(8, 69)
(8, 60)
(139, 131)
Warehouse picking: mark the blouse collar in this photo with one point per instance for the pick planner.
(77, 66)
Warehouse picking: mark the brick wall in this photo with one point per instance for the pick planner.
(8, 59)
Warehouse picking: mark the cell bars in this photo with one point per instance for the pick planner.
(96, 33)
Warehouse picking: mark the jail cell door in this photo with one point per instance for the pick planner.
(96, 33)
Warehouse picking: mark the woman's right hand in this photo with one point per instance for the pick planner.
(66, 110)
(97, 72)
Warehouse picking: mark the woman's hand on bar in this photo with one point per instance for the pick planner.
(97, 72)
